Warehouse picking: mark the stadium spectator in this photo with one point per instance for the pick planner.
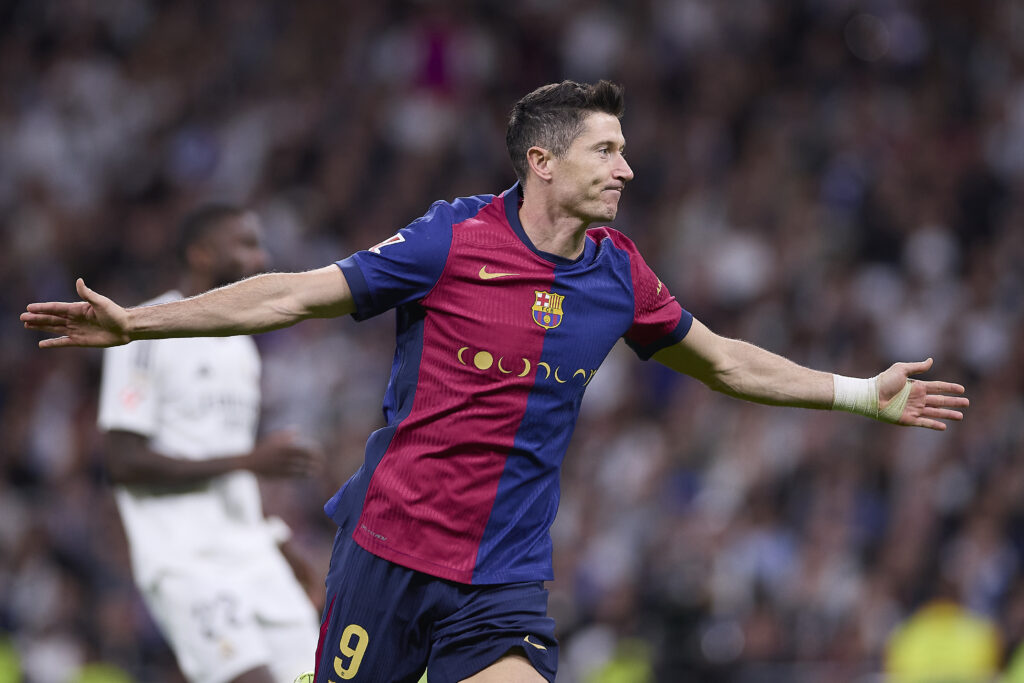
(943, 641)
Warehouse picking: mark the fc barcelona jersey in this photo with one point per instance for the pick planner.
(496, 344)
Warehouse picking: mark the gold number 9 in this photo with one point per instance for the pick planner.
(354, 640)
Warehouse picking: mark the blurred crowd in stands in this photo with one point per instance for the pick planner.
(839, 181)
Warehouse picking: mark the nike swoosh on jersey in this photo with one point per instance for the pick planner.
(484, 275)
(539, 647)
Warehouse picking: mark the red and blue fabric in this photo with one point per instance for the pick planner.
(496, 344)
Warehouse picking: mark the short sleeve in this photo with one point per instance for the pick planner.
(402, 268)
(128, 390)
(658, 319)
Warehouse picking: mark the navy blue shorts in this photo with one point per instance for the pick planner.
(385, 623)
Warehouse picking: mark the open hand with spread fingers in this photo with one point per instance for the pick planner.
(918, 403)
(94, 321)
(287, 454)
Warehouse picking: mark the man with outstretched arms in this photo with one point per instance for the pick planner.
(506, 306)
(180, 420)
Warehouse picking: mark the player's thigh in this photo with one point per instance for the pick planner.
(375, 626)
(496, 631)
(209, 626)
(512, 668)
(288, 621)
(291, 648)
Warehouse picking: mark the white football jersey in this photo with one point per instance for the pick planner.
(193, 398)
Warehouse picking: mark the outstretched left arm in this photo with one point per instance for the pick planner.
(740, 369)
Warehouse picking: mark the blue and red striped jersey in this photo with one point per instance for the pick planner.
(496, 343)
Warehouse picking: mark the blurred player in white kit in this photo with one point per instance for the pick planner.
(180, 417)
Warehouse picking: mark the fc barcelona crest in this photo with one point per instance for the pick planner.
(547, 309)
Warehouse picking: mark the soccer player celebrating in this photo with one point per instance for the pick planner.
(507, 305)
(180, 418)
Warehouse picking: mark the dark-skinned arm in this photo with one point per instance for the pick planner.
(129, 460)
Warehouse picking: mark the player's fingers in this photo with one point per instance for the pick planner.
(86, 293)
(56, 342)
(930, 424)
(59, 330)
(308, 450)
(942, 414)
(300, 451)
(286, 436)
(36, 320)
(936, 387)
(298, 459)
(61, 308)
(301, 470)
(310, 463)
(918, 367)
(942, 401)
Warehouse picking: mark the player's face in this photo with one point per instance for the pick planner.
(237, 245)
(590, 176)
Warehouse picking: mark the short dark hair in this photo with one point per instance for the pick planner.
(198, 223)
(552, 117)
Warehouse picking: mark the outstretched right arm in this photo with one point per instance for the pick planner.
(257, 304)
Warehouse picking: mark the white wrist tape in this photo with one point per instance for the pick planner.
(860, 396)
(856, 395)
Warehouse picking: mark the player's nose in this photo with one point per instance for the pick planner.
(623, 170)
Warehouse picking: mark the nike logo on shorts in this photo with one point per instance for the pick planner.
(539, 647)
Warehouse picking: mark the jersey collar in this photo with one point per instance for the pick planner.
(513, 197)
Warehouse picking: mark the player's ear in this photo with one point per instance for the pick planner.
(540, 161)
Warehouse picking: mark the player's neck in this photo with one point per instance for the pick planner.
(551, 230)
(191, 284)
